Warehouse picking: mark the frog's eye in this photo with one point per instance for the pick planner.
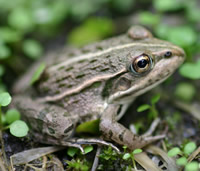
(168, 54)
(141, 64)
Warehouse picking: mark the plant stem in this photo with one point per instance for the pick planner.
(1, 140)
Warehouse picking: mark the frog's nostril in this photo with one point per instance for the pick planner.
(168, 54)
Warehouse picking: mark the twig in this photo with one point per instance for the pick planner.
(194, 154)
(2, 167)
(96, 160)
(2, 147)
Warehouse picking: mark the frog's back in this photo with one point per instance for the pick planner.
(64, 54)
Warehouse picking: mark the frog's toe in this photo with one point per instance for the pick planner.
(152, 128)
(154, 138)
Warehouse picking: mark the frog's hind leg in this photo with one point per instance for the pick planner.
(51, 124)
(48, 120)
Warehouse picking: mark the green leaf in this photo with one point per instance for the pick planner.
(88, 149)
(173, 152)
(148, 18)
(162, 31)
(8, 34)
(91, 30)
(32, 48)
(155, 99)
(143, 107)
(4, 51)
(5, 99)
(167, 5)
(12, 115)
(136, 151)
(185, 91)
(71, 151)
(189, 148)
(181, 161)
(89, 127)
(190, 70)
(177, 35)
(37, 73)
(126, 156)
(19, 128)
(193, 166)
(21, 19)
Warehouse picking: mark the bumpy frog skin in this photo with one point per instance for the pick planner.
(98, 81)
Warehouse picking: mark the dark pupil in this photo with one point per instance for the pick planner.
(142, 63)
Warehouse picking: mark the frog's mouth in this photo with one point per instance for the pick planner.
(161, 71)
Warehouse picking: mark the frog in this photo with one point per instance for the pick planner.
(96, 82)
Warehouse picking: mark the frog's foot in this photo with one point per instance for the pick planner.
(115, 131)
(81, 141)
(148, 135)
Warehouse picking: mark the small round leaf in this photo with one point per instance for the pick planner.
(181, 161)
(174, 151)
(32, 49)
(189, 148)
(126, 156)
(190, 70)
(88, 149)
(193, 166)
(19, 128)
(5, 99)
(71, 151)
(12, 115)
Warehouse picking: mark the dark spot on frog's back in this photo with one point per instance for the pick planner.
(110, 134)
(69, 69)
(81, 75)
(68, 129)
(99, 47)
(51, 131)
(121, 136)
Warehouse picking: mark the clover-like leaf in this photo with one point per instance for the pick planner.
(12, 115)
(88, 149)
(126, 156)
(173, 152)
(19, 128)
(5, 99)
(189, 147)
(71, 151)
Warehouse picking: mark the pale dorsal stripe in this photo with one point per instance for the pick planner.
(80, 87)
(92, 55)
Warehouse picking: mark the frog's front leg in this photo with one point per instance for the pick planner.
(113, 130)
